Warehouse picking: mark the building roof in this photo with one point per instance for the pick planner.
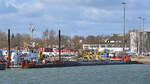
(140, 30)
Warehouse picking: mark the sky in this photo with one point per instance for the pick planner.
(73, 17)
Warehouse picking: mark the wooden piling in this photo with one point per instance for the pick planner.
(59, 45)
(9, 58)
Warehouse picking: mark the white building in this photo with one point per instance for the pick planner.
(133, 42)
(114, 43)
(101, 47)
(140, 41)
(91, 46)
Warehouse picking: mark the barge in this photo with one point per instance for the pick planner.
(78, 63)
(2, 66)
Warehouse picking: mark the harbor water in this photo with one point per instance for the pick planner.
(102, 74)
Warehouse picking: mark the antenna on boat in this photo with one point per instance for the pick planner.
(31, 31)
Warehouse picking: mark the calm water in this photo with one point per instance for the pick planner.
(108, 74)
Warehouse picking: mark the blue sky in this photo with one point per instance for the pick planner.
(73, 17)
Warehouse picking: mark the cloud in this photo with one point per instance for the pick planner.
(92, 13)
(6, 8)
(64, 1)
(31, 10)
(86, 23)
(106, 12)
(74, 15)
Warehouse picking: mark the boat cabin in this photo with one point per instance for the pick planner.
(30, 54)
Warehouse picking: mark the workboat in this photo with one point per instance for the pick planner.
(2, 63)
(30, 54)
(75, 63)
(101, 62)
(62, 63)
(2, 66)
(57, 64)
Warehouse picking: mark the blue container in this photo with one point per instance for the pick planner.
(105, 54)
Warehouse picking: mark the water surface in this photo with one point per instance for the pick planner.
(104, 74)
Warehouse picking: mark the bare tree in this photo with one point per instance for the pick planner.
(52, 38)
(91, 39)
(65, 41)
(77, 42)
(3, 39)
(45, 38)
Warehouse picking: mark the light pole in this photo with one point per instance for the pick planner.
(140, 22)
(139, 39)
(143, 38)
(124, 16)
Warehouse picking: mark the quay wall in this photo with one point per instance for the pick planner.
(143, 60)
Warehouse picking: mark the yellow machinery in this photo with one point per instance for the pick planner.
(97, 56)
(87, 56)
(40, 57)
(93, 56)
(90, 55)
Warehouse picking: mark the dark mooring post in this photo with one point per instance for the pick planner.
(8, 63)
(59, 46)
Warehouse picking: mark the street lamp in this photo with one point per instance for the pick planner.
(143, 38)
(141, 43)
(140, 22)
(139, 39)
(123, 3)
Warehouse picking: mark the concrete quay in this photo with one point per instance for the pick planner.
(142, 59)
